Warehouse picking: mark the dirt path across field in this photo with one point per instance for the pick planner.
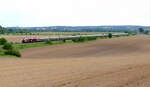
(118, 62)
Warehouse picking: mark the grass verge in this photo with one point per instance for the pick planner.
(39, 44)
(8, 56)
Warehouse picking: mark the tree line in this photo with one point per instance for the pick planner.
(30, 31)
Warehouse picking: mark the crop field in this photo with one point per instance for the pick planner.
(117, 62)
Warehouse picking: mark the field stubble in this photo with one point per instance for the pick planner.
(117, 62)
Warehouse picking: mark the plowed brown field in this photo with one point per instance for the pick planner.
(117, 62)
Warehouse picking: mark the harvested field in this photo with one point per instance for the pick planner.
(117, 62)
(13, 38)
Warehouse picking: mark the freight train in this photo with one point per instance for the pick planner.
(32, 40)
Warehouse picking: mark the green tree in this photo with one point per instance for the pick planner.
(2, 30)
(64, 41)
(3, 41)
(8, 46)
(146, 32)
(110, 35)
(13, 52)
(141, 30)
(49, 42)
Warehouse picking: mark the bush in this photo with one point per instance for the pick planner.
(86, 39)
(110, 35)
(64, 41)
(75, 40)
(141, 30)
(3, 41)
(8, 46)
(83, 39)
(48, 42)
(92, 38)
(13, 52)
(146, 32)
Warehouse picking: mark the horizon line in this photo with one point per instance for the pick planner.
(79, 25)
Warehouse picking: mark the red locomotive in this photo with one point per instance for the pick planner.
(29, 40)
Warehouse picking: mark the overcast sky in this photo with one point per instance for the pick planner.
(74, 12)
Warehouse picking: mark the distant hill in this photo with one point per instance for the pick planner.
(83, 28)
